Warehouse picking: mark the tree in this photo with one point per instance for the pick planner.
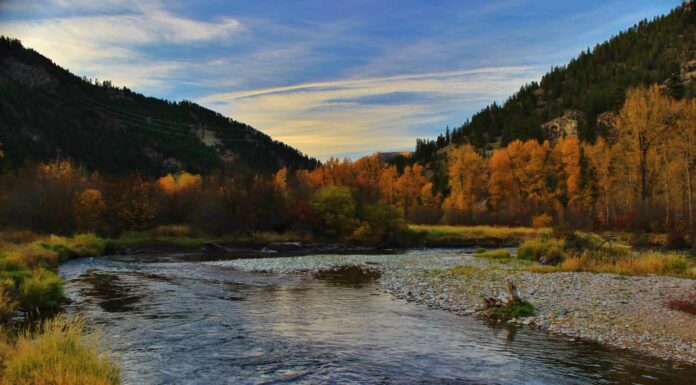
(467, 180)
(91, 211)
(335, 209)
(642, 123)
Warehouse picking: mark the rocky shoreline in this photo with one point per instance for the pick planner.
(623, 312)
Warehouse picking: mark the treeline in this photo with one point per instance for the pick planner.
(594, 82)
(61, 198)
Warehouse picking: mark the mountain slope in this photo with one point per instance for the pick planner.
(578, 96)
(48, 112)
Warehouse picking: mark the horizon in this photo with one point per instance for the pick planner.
(329, 80)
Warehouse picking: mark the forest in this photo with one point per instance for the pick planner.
(638, 178)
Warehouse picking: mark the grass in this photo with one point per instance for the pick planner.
(27, 263)
(442, 235)
(494, 254)
(647, 263)
(59, 352)
(544, 249)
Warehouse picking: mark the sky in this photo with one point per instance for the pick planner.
(333, 78)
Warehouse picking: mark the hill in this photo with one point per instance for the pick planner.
(579, 98)
(48, 112)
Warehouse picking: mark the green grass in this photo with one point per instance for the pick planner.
(494, 254)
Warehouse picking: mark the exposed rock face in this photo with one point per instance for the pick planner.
(607, 120)
(688, 71)
(565, 125)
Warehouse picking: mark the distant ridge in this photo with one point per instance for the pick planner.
(47, 112)
(579, 98)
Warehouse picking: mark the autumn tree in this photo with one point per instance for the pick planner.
(91, 211)
(642, 124)
(467, 180)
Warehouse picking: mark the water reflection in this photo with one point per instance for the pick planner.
(191, 323)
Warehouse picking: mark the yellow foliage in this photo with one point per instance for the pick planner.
(541, 221)
(90, 210)
(173, 183)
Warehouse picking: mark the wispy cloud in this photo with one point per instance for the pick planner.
(114, 44)
(331, 117)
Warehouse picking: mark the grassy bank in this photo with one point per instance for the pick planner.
(471, 236)
(59, 351)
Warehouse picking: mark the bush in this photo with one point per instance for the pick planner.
(384, 224)
(547, 251)
(57, 353)
(676, 240)
(43, 290)
(687, 305)
(513, 309)
(541, 221)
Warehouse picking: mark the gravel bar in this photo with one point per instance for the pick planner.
(620, 311)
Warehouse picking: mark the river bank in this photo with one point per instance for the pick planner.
(626, 312)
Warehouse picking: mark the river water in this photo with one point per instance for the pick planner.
(174, 320)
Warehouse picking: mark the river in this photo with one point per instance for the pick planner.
(178, 320)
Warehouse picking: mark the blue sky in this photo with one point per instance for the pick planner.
(332, 78)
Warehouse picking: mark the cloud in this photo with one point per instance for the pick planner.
(362, 115)
(114, 44)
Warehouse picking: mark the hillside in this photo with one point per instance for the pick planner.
(578, 98)
(48, 112)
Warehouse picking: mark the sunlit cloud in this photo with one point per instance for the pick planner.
(366, 115)
(114, 45)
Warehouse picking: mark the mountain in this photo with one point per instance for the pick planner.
(47, 112)
(579, 98)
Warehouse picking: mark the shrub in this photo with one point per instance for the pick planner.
(43, 290)
(548, 251)
(494, 254)
(687, 305)
(513, 309)
(541, 221)
(676, 240)
(57, 353)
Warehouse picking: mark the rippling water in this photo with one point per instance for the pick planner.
(179, 322)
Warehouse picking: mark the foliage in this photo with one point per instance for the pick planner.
(541, 221)
(58, 352)
(335, 208)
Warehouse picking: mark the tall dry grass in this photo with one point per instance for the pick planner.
(59, 352)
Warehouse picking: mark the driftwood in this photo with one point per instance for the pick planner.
(502, 299)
